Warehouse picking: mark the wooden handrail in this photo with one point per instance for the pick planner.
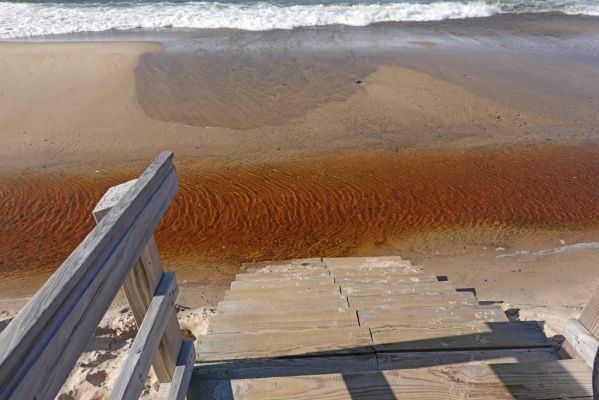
(139, 287)
(40, 346)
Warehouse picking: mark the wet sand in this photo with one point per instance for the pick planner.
(439, 142)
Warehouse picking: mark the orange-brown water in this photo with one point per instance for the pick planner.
(328, 204)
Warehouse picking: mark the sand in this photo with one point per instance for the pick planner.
(458, 146)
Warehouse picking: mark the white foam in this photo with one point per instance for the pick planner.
(30, 19)
(555, 250)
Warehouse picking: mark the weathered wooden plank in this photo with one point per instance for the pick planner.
(183, 371)
(589, 317)
(581, 340)
(283, 265)
(387, 279)
(325, 302)
(269, 344)
(139, 287)
(539, 380)
(432, 316)
(286, 367)
(356, 262)
(373, 271)
(212, 381)
(268, 276)
(475, 335)
(287, 320)
(422, 359)
(412, 300)
(284, 283)
(279, 293)
(366, 289)
(40, 346)
(135, 370)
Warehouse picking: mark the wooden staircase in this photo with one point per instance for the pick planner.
(371, 328)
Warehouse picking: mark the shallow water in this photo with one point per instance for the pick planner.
(326, 205)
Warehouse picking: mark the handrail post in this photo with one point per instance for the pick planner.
(139, 287)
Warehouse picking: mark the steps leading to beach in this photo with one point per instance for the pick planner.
(371, 328)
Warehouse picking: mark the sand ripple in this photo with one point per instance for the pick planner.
(325, 205)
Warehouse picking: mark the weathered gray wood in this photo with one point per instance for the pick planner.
(581, 340)
(269, 344)
(412, 300)
(284, 283)
(278, 293)
(387, 279)
(268, 276)
(286, 367)
(357, 262)
(180, 383)
(589, 317)
(212, 381)
(475, 335)
(139, 287)
(280, 266)
(324, 302)
(538, 380)
(374, 271)
(432, 316)
(39, 348)
(382, 289)
(424, 359)
(143, 350)
(287, 320)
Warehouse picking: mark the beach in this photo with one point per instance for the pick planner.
(471, 149)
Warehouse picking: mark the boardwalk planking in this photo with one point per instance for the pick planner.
(282, 321)
(284, 283)
(449, 335)
(537, 380)
(286, 292)
(268, 344)
(411, 300)
(384, 317)
(387, 279)
(324, 302)
(365, 289)
(268, 276)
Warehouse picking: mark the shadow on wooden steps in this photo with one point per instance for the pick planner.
(531, 372)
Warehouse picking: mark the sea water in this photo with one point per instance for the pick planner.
(48, 17)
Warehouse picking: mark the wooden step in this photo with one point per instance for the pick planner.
(421, 359)
(381, 262)
(324, 302)
(449, 335)
(269, 276)
(298, 262)
(365, 289)
(284, 283)
(280, 293)
(212, 380)
(258, 345)
(373, 271)
(537, 380)
(282, 321)
(431, 316)
(387, 279)
(412, 300)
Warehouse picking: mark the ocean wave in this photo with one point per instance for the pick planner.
(23, 19)
(31, 19)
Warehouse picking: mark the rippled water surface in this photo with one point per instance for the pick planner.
(320, 205)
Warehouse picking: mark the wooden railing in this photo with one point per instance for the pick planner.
(582, 338)
(39, 348)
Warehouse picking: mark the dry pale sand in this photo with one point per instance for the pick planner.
(431, 146)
